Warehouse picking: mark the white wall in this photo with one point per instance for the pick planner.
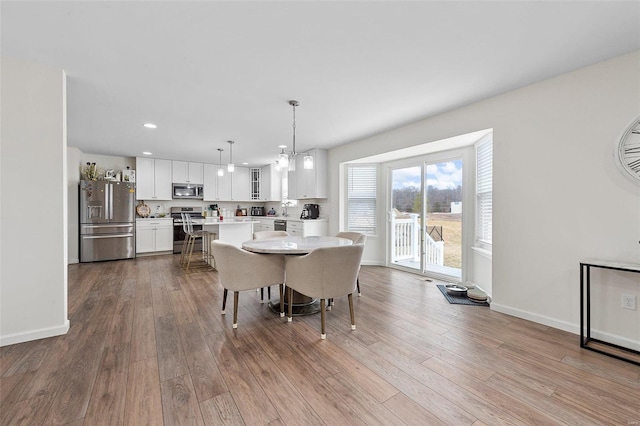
(558, 195)
(33, 174)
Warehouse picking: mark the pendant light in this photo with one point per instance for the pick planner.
(220, 171)
(292, 163)
(230, 167)
(283, 158)
(308, 161)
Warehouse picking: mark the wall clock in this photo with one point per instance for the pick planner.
(628, 154)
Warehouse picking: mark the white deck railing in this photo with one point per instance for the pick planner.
(405, 242)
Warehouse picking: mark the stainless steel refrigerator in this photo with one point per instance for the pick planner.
(107, 220)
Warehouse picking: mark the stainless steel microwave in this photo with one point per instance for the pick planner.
(185, 190)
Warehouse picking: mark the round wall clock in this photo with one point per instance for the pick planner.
(629, 151)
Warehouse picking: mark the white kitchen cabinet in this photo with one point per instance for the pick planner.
(307, 228)
(154, 235)
(216, 188)
(313, 183)
(270, 183)
(240, 184)
(187, 172)
(153, 179)
(263, 225)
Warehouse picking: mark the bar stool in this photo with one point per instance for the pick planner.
(190, 239)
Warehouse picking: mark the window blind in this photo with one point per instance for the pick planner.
(484, 191)
(361, 198)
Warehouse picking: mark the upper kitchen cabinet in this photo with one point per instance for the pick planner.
(153, 179)
(309, 183)
(187, 172)
(240, 184)
(216, 188)
(270, 184)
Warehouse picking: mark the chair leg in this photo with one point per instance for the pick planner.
(358, 285)
(290, 293)
(281, 286)
(224, 300)
(329, 303)
(184, 249)
(269, 293)
(353, 316)
(323, 334)
(261, 294)
(192, 242)
(235, 309)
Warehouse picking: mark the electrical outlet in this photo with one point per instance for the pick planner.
(629, 301)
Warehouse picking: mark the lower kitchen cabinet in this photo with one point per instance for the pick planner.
(307, 228)
(154, 235)
(263, 225)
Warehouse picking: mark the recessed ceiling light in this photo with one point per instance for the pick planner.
(245, 164)
(150, 126)
(147, 153)
(282, 146)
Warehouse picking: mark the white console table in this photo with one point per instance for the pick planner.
(586, 341)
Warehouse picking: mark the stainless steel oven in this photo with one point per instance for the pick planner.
(279, 225)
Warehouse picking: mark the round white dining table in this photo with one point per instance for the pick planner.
(292, 245)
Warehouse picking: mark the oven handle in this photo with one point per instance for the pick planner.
(94, 237)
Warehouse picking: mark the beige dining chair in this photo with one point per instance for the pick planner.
(324, 273)
(240, 270)
(263, 235)
(357, 238)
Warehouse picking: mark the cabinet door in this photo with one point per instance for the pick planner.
(224, 186)
(180, 172)
(145, 178)
(210, 182)
(241, 184)
(195, 173)
(145, 237)
(164, 238)
(270, 184)
(162, 179)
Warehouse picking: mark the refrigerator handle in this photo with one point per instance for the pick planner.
(110, 201)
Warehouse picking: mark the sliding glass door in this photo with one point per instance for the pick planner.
(425, 216)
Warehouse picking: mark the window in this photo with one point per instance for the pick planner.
(361, 198)
(484, 192)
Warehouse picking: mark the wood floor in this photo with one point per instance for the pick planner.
(148, 345)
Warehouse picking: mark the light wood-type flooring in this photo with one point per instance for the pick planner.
(148, 345)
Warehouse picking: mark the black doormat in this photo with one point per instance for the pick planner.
(455, 300)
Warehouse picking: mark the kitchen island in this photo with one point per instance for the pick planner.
(231, 231)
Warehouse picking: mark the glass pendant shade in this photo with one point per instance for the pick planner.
(220, 171)
(292, 163)
(308, 162)
(283, 159)
(231, 167)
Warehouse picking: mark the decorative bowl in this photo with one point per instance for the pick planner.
(456, 290)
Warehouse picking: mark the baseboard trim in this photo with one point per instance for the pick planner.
(28, 336)
(72, 261)
(540, 319)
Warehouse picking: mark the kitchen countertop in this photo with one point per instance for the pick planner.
(214, 221)
(154, 218)
(289, 218)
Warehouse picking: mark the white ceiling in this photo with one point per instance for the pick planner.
(206, 72)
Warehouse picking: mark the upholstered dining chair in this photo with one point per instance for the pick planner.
(357, 238)
(324, 273)
(240, 270)
(263, 235)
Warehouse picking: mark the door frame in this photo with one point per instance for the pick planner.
(466, 154)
